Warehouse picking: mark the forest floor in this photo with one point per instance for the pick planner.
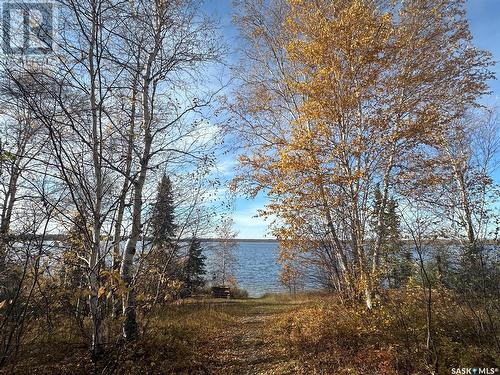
(246, 344)
(310, 333)
(192, 336)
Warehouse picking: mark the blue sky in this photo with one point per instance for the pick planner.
(484, 21)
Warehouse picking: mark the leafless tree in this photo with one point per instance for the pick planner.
(168, 43)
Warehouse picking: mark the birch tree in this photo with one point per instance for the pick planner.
(75, 116)
(171, 43)
(224, 258)
(361, 84)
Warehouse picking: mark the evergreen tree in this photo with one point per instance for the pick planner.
(163, 265)
(70, 272)
(194, 268)
(162, 219)
(400, 256)
(397, 257)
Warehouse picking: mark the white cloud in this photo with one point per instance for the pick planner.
(249, 224)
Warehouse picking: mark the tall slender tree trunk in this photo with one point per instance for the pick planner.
(467, 214)
(117, 258)
(126, 273)
(9, 200)
(130, 324)
(380, 218)
(127, 267)
(8, 207)
(94, 263)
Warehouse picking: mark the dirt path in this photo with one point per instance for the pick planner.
(247, 345)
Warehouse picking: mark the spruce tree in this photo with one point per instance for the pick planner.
(163, 263)
(397, 257)
(194, 268)
(162, 219)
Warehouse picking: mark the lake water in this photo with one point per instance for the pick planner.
(256, 269)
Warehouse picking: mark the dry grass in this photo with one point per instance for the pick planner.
(329, 337)
(276, 334)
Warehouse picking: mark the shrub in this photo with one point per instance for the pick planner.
(237, 292)
(390, 339)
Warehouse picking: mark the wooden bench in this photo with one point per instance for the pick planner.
(221, 292)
